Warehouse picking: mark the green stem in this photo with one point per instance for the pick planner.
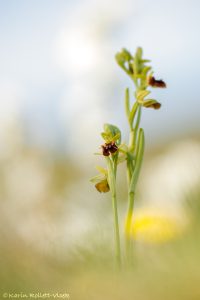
(129, 218)
(112, 184)
(116, 226)
(129, 170)
(132, 187)
(135, 145)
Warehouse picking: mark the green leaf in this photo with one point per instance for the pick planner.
(137, 123)
(132, 113)
(127, 102)
(138, 161)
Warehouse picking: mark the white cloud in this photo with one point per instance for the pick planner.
(83, 49)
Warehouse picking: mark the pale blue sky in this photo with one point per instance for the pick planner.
(59, 77)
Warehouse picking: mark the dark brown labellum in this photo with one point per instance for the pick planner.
(156, 83)
(105, 151)
(113, 147)
(109, 148)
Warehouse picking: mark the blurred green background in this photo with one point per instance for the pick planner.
(59, 83)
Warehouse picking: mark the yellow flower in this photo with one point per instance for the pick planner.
(154, 228)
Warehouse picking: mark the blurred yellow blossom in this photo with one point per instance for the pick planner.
(155, 227)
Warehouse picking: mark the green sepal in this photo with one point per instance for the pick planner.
(112, 131)
(145, 71)
(97, 178)
(101, 170)
(132, 113)
(137, 61)
(140, 95)
(121, 158)
(123, 56)
(138, 54)
(145, 60)
(123, 148)
(107, 137)
(126, 54)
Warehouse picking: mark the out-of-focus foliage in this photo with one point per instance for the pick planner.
(37, 203)
(170, 271)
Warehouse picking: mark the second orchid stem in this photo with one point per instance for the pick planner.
(112, 183)
(134, 161)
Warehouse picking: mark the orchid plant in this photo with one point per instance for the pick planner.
(115, 152)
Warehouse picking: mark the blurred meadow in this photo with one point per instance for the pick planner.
(59, 83)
